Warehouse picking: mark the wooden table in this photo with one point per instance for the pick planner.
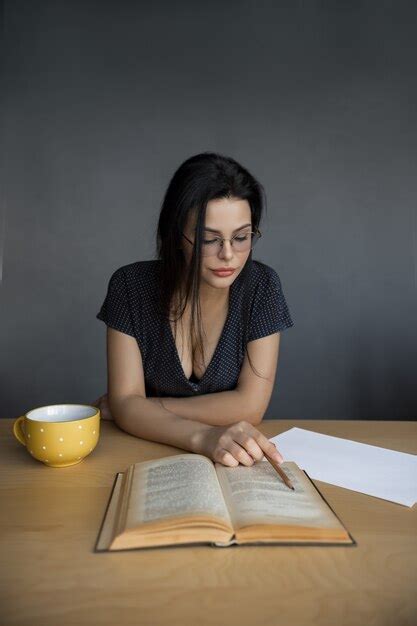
(50, 575)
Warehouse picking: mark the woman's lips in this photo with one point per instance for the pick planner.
(223, 272)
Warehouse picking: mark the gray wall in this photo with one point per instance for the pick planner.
(104, 100)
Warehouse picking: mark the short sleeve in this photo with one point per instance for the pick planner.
(115, 310)
(270, 313)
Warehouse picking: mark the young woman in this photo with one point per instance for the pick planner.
(193, 336)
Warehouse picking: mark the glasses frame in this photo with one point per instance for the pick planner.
(223, 239)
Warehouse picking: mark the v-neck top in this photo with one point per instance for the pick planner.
(130, 307)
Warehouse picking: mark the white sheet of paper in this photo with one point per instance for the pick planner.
(378, 472)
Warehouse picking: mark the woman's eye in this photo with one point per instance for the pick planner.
(242, 237)
(209, 240)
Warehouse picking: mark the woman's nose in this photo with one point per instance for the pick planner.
(226, 250)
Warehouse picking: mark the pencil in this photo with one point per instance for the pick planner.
(280, 471)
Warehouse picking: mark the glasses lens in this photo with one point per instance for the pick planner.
(242, 243)
(210, 246)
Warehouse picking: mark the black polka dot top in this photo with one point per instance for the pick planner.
(130, 307)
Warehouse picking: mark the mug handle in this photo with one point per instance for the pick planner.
(18, 430)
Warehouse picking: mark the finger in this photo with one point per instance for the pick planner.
(273, 451)
(278, 453)
(226, 458)
(249, 444)
(268, 446)
(240, 453)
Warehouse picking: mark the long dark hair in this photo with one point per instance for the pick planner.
(201, 178)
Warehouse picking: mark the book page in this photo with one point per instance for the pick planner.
(258, 495)
(185, 484)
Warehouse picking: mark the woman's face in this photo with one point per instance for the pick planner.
(225, 217)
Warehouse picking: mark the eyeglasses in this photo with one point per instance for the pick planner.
(239, 242)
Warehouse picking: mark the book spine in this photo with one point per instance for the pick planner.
(220, 544)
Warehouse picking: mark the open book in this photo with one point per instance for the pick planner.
(188, 499)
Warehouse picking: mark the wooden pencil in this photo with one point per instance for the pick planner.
(279, 470)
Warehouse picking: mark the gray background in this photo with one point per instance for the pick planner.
(104, 100)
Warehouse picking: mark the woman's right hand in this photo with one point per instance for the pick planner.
(236, 443)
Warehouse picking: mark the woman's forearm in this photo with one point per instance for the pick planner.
(143, 418)
(216, 409)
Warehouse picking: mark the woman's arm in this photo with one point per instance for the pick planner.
(248, 401)
(217, 409)
(129, 407)
(140, 417)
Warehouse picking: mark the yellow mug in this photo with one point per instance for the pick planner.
(59, 435)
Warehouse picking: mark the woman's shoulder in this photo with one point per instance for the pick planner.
(139, 274)
(264, 275)
(270, 312)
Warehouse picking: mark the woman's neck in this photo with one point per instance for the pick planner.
(213, 298)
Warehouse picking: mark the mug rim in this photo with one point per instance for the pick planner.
(46, 406)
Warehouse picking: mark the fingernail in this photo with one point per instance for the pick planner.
(278, 455)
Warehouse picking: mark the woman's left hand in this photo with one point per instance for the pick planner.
(103, 404)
